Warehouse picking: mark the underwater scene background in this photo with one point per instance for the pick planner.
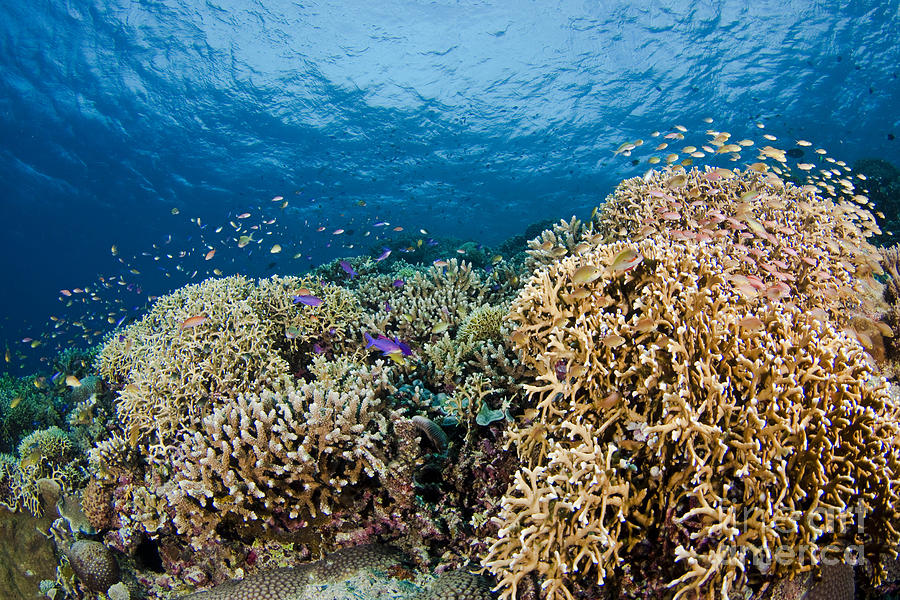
(449, 300)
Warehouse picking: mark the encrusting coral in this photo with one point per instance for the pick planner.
(686, 427)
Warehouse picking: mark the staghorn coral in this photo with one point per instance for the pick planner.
(273, 456)
(426, 298)
(676, 417)
(781, 240)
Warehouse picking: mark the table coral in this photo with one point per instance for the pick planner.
(685, 426)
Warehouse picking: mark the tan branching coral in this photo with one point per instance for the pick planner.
(561, 240)
(483, 324)
(674, 412)
(782, 240)
(335, 319)
(290, 453)
(206, 343)
(173, 373)
(427, 298)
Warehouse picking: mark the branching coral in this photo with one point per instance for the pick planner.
(674, 412)
(275, 455)
(172, 373)
(204, 344)
(552, 244)
(426, 298)
(483, 324)
(781, 240)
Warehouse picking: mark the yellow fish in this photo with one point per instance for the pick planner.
(397, 357)
(440, 327)
(72, 381)
(585, 274)
(626, 259)
(15, 402)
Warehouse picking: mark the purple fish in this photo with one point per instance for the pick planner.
(387, 306)
(386, 345)
(398, 283)
(347, 268)
(318, 349)
(406, 350)
(308, 300)
(383, 255)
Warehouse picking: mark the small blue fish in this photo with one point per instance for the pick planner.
(383, 255)
(308, 300)
(398, 283)
(347, 268)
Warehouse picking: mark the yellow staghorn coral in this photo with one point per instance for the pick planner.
(676, 413)
(781, 240)
(287, 454)
(206, 343)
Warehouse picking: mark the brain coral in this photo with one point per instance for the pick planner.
(291, 583)
(685, 428)
(94, 565)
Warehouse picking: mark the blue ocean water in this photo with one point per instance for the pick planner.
(463, 119)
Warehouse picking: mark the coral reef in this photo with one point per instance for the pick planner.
(687, 428)
(780, 240)
(26, 404)
(424, 299)
(206, 343)
(93, 564)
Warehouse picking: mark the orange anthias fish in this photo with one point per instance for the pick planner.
(193, 321)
